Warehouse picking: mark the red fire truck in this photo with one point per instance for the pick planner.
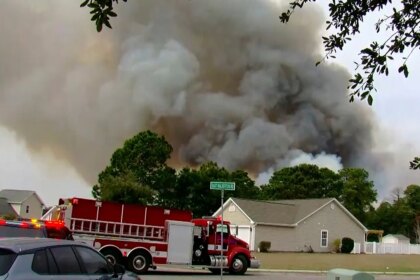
(142, 237)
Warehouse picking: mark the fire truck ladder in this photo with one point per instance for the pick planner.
(84, 226)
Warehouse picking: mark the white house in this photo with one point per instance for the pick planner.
(27, 204)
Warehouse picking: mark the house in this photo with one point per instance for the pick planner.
(395, 239)
(292, 225)
(26, 204)
(6, 209)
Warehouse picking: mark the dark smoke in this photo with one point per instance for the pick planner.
(222, 80)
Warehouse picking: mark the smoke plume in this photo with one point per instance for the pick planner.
(221, 80)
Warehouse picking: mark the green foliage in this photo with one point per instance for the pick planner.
(140, 164)
(346, 17)
(336, 245)
(101, 11)
(347, 245)
(400, 216)
(264, 246)
(9, 217)
(126, 189)
(415, 164)
(302, 181)
(358, 192)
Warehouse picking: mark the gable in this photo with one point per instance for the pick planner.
(19, 196)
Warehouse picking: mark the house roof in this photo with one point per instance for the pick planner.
(18, 196)
(5, 207)
(284, 212)
(397, 236)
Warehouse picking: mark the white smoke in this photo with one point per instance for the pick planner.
(222, 80)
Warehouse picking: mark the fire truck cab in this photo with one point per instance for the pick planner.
(143, 237)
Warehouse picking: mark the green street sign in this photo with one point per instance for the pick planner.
(226, 186)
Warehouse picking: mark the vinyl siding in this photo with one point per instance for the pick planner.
(335, 221)
(35, 208)
(236, 217)
(307, 234)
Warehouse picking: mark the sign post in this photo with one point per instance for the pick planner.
(222, 186)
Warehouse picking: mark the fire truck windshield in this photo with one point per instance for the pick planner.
(222, 228)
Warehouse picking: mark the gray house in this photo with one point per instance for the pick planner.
(26, 204)
(292, 225)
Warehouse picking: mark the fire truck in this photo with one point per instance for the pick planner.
(142, 237)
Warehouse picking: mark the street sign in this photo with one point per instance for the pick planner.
(226, 186)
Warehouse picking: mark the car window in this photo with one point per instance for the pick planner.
(43, 263)
(7, 258)
(40, 262)
(66, 260)
(93, 262)
(16, 231)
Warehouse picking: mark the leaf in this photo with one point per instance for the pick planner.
(84, 3)
(370, 100)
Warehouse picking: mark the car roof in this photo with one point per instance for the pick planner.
(22, 244)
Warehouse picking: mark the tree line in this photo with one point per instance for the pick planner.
(138, 173)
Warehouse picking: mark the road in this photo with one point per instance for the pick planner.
(179, 274)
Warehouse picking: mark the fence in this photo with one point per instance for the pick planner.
(386, 248)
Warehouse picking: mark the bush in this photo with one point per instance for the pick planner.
(264, 246)
(336, 245)
(347, 245)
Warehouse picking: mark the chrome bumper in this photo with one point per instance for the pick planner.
(255, 263)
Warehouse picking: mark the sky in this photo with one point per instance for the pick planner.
(51, 49)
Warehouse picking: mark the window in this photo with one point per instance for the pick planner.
(66, 260)
(40, 262)
(27, 208)
(7, 258)
(43, 262)
(93, 262)
(324, 238)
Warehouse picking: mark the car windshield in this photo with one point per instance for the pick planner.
(12, 231)
(7, 258)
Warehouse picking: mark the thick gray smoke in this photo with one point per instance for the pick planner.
(222, 80)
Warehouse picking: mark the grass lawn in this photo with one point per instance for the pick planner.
(326, 261)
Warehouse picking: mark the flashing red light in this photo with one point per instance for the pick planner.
(219, 218)
(2, 222)
(74, 201)
(24, 224)
(54, 224)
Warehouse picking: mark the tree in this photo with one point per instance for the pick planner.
(102, 11)
(142, 160)
(358, 193)
(415, 164)
(124, 189)
(302, 181)
(346, 17)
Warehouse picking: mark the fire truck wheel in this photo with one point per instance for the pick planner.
(139, 262)
(112, 255)
(239, 265)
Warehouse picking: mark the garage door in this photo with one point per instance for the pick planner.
(242, 232)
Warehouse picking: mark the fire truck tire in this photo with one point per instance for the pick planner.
(139, 262)
(114, 256)
(239, 265)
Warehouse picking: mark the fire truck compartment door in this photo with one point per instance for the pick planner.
(180, 242)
